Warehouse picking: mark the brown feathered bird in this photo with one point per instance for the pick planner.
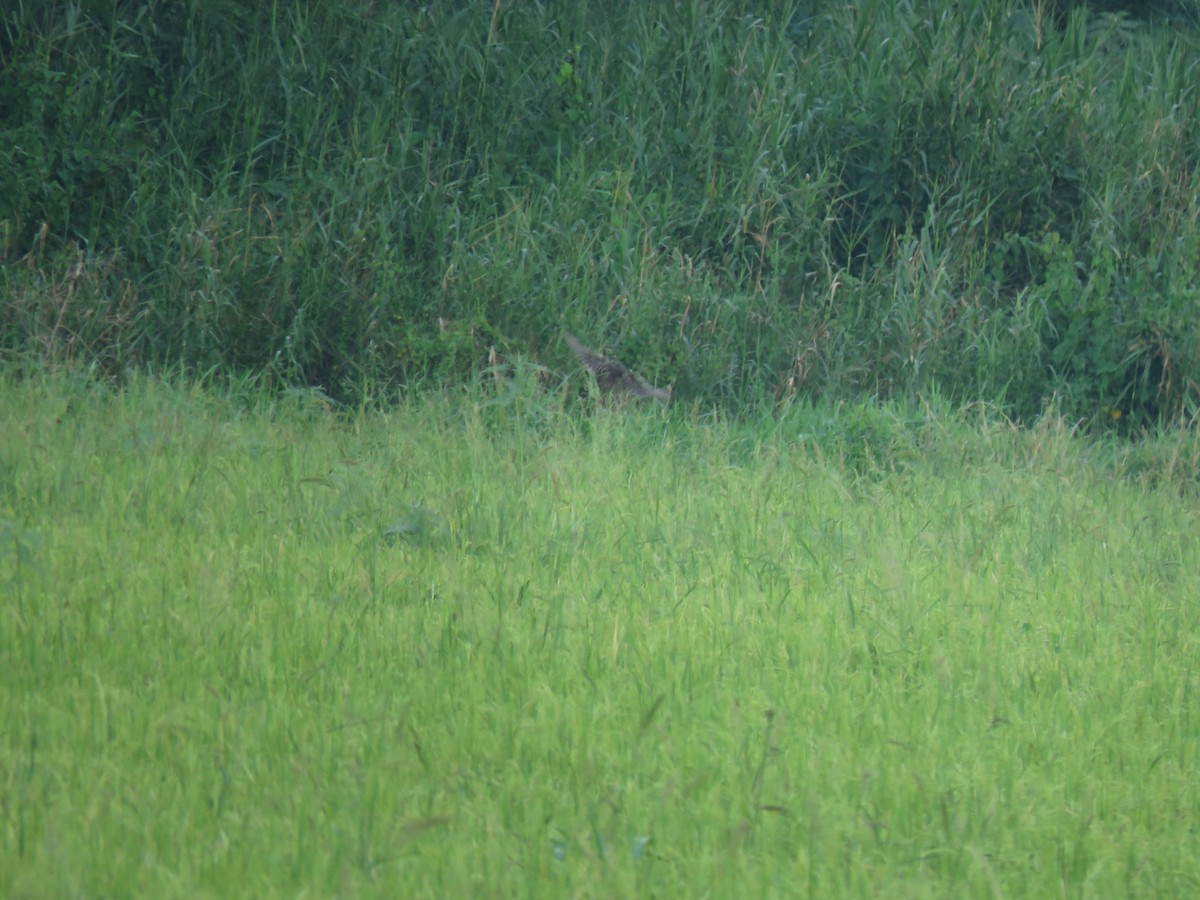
(615, 377)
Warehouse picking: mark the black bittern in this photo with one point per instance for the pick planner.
(615, 377)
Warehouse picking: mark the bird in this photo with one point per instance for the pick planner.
(615, 377)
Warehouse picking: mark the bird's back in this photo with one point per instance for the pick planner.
(612, 375)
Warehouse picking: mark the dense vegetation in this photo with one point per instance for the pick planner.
(867, 613)
(996, 199)
(260, 648)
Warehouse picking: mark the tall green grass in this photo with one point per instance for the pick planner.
(992, 200)
(480, 645)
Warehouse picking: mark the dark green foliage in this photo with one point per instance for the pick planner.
(996, 200)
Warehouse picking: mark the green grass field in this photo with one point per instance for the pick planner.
(479, 646)
(361, 604)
